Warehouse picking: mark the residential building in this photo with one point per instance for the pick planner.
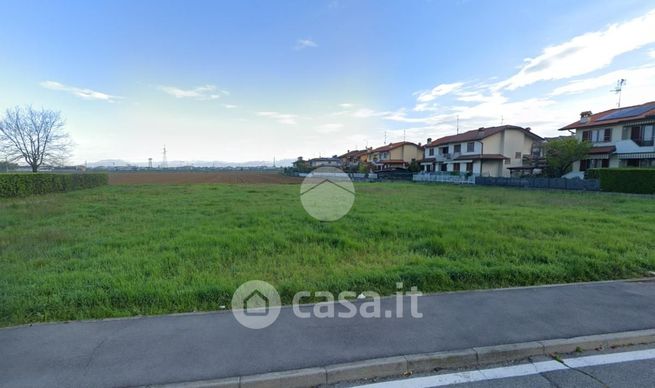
(395, 155)
(352, 159)
(492, 151)
(620, 137)
(334, 161)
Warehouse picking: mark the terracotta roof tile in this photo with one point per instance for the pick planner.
(478, 134)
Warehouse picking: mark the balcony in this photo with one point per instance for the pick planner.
(443, 157)
(643, 143)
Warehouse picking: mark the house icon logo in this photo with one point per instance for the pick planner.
(327, 194)
(256, 304)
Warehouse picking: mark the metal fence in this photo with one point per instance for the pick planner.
(542, 183)
(445, 178)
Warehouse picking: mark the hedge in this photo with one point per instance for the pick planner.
(21, 185)
(625, 180)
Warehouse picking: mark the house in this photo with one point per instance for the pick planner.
(395, 155)
(491, 151)
(352, 159)
(325, 162)
(620, 137)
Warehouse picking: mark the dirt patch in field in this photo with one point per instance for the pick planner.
(173, 178)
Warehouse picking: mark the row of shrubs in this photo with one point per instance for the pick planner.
(624, 180)
(21, 185)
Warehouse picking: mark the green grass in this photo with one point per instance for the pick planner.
(127, 250)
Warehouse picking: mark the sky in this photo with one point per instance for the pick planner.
(255, 80)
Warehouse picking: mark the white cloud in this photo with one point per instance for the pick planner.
(282, 118)
(585, 53)
(304, 43)
(205, 92)
(651, 53)
(638, 76)
(437, 91)
(346, 105)
(87, 94)
(230, 106)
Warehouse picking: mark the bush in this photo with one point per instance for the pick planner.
(21, 185)
(592, 173)
(626, 180)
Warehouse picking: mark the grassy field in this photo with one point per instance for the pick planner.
(127, 250)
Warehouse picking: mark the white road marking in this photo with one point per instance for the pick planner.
(515, 370)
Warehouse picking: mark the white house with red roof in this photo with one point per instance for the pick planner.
(620, 137)
(491, 151)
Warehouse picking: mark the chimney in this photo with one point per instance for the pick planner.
(481, 129)
(429, 140)
(584, 116)
(528, 129)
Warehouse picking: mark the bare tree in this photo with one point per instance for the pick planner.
(36, 136)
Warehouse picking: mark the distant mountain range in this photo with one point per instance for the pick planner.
(194, 163)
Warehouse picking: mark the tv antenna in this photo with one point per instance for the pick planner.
(617, 90)
(164, 159)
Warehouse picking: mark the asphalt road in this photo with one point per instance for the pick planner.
(188, 347)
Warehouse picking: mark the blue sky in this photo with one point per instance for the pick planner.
(250, 80)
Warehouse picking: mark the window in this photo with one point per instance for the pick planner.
(444, 150)
(607, 136)
(431, 151)
(458, 148)
(586, 136)
(594, 163)
(598, 135)
(469, 167)
(584, 164)
(517, 155)
(444, 167)
(470, 146)
(456, 167)
(642, 135)
(632, 163)
(508, 161)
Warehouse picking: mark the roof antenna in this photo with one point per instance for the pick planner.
(458, 124)
(502, 119)
(404, 137)
(385, 137)
(618, 88)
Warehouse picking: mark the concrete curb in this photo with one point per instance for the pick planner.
(421, 363)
